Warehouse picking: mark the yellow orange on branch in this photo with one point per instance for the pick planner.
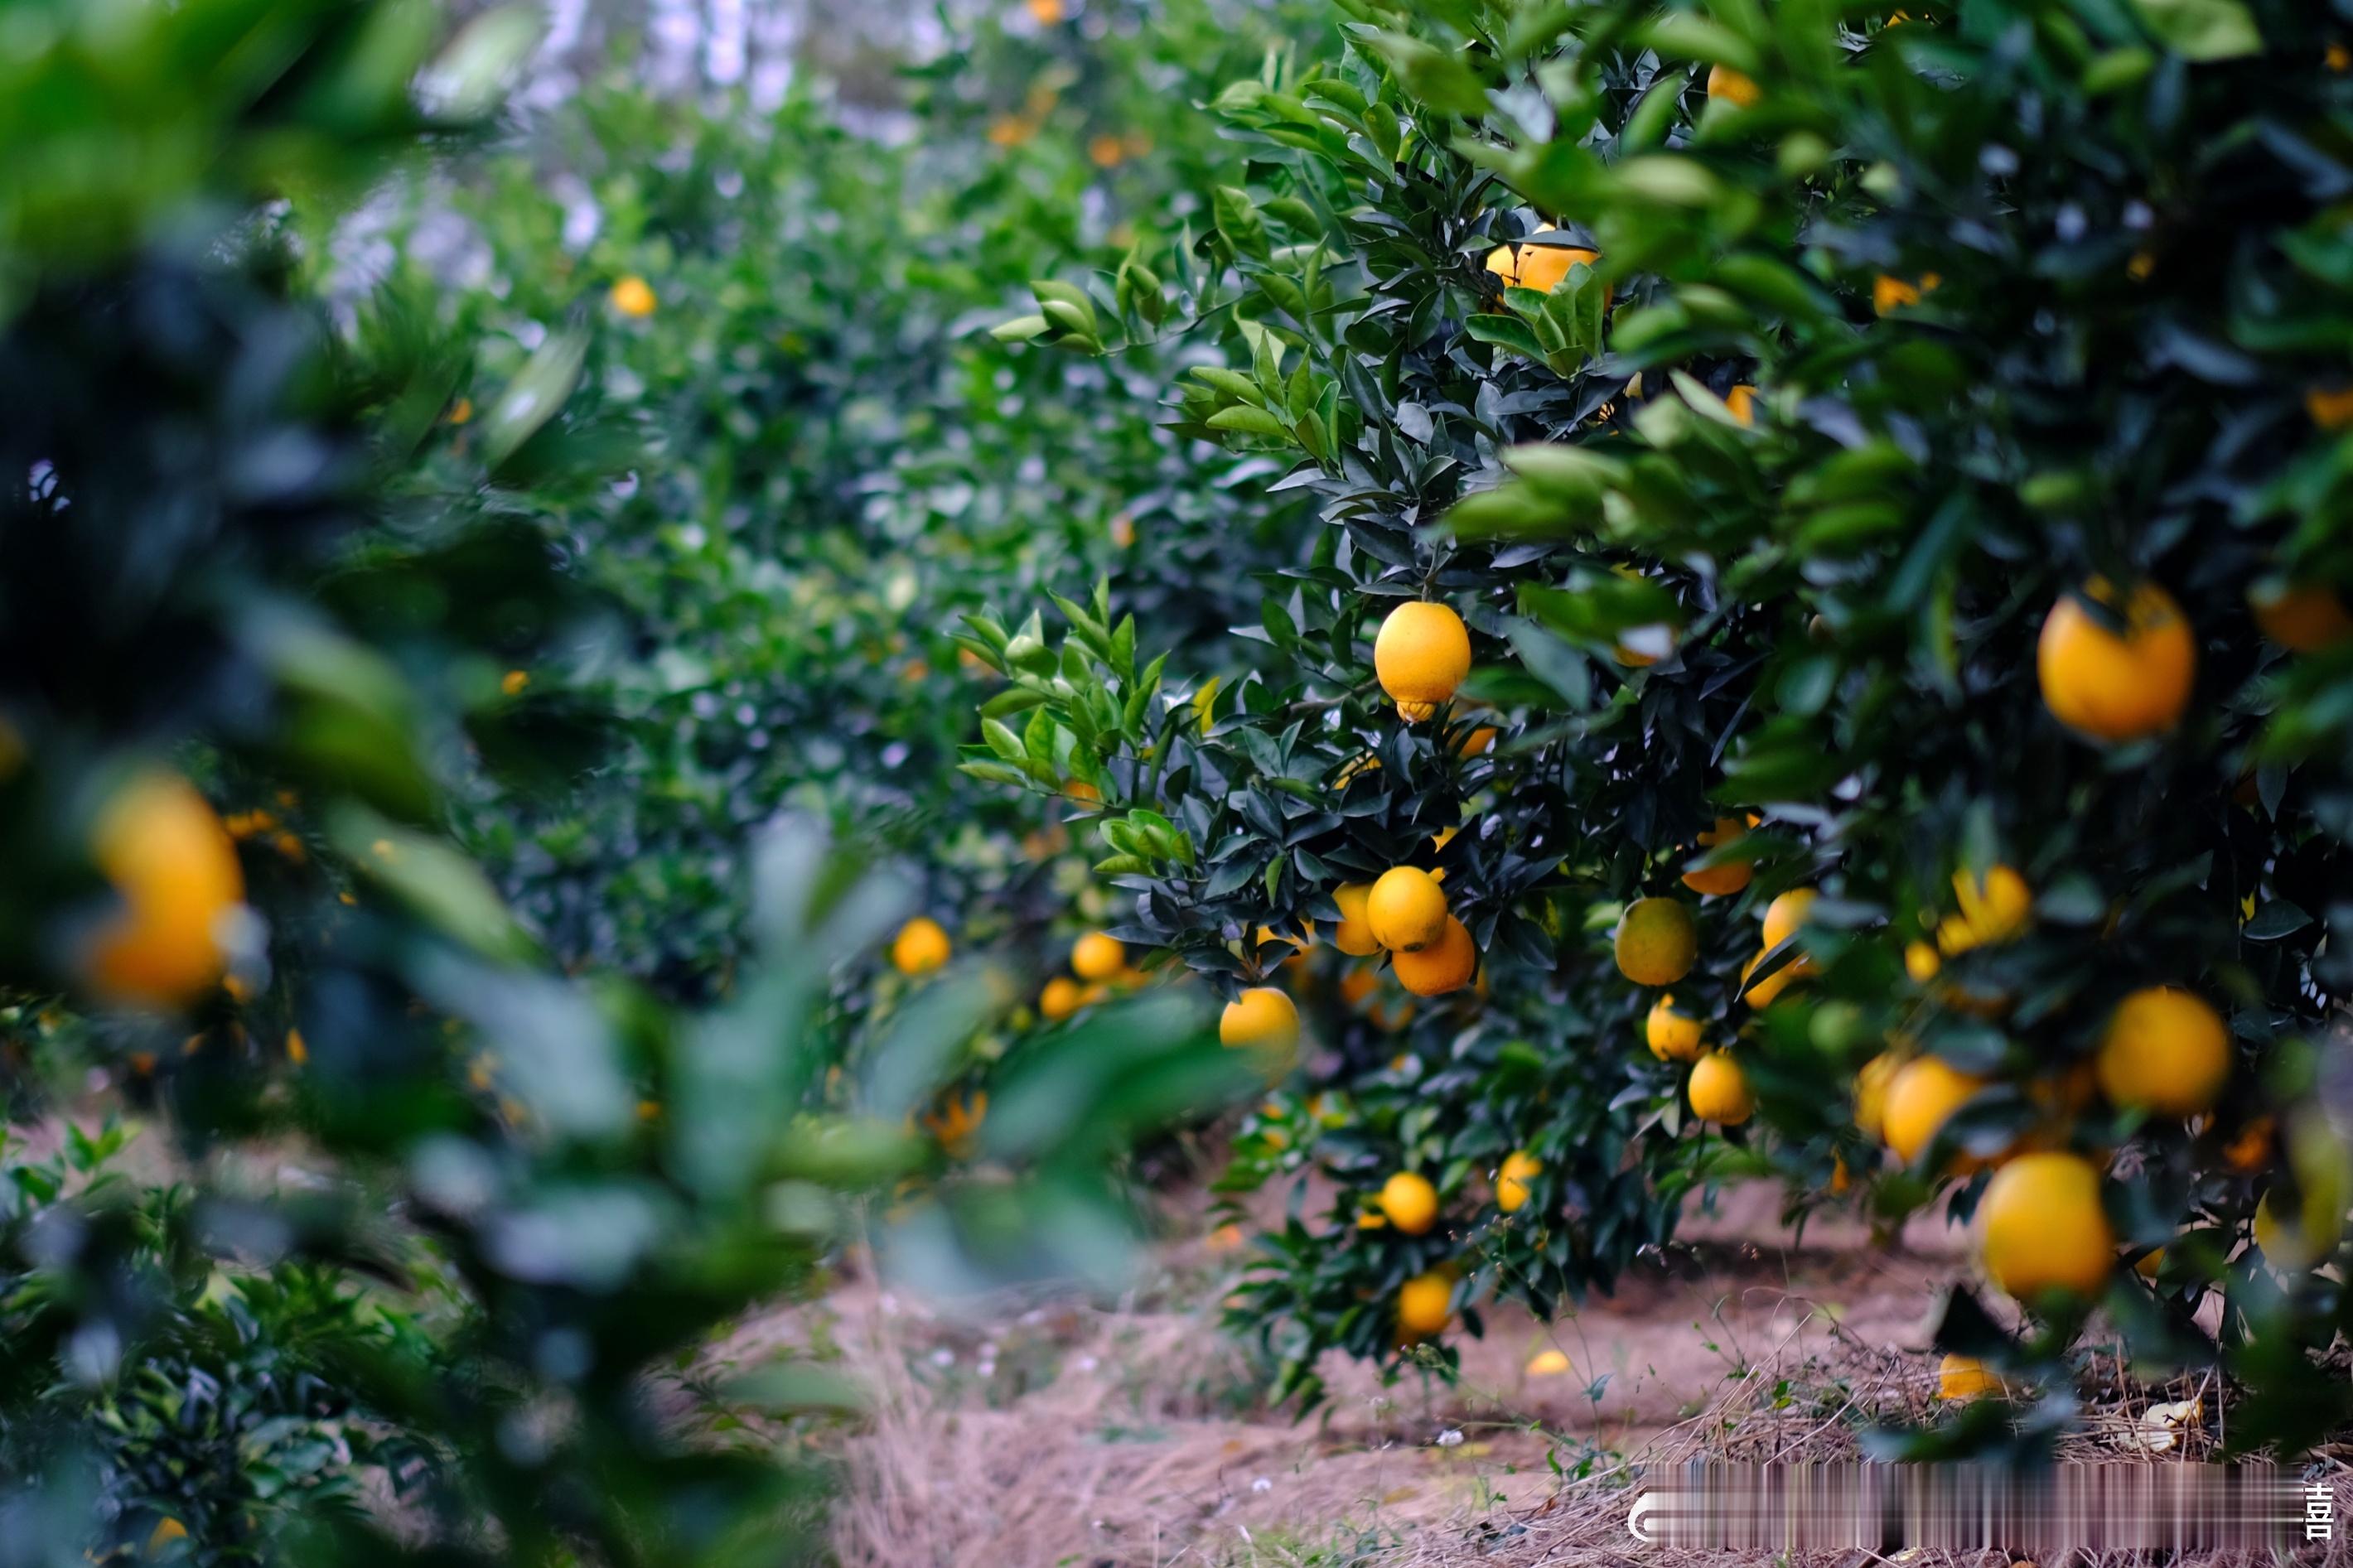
(1097, 956)
(2045, 1228)
(1425, 1306)
(1511, 1178)
(1538, 267)
(174, 870)
(1421, 656)
(1261, 1018)
(1719, 1090)
(1657, 941)
(2303, 618)
(1921, 1097)
(2116, 683)
(920, 946)
(1673, 1037)
(1735, 88)
(1409, 1203)
(2164, 1050)
(1720, 881)
(1354, 935)
(1406, 908)
(1447, 964)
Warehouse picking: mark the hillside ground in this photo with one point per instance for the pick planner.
(1132, 1434)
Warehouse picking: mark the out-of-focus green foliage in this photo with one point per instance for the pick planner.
(420, 1259)
(831, 460)
(1867, 357)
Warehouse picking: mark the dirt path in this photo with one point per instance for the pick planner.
(1135, 1436)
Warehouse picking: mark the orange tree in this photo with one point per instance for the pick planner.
(1834, 534)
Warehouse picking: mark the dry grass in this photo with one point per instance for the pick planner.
(1129, 1434)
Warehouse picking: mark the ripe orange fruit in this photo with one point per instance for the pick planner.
(2044, 1227)
(1718, 881)
(1354, 935)
(1097, 956)
(634, 296)
(1421, 656)
(1762, 993)
(1060, 998)
(1537, 267)
(1512, 1179)
(2164, 1050)
(1406, 908)
(174, 869)
(1673, 1037)
(1260, 1018)
(1742, 403)
(1719, 1090)
(1888, 293)
(1639, 648)
(1785, 914)
(1549, 1363)
(1657, 941)
(2331, 409)
(2110, 687)
(920, 946)
(1410, 1202)
(1921, 1096)
(1994, 910)
(1425, 1306)
(1965, 1377)
(1445, 964)
(1734, 87)
(1301, 946)
(1921, 961)
(957, 1120)
(2294, 1240)
(2251, 1150)
(2303, 618)
(1870, 1083)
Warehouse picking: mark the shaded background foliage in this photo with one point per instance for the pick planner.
(832, 461)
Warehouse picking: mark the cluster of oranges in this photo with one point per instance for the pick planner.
(1098, 966)
(2114, 666)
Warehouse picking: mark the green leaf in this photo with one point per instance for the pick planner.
(1020, 329)
(1505, 332)
(439, 886)
(1238, 219)
(1432, 77)
(2202, 30)
(2275, 920)
(535, 396)
(1071, 301)
(1250, 421)
(1001, 739)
